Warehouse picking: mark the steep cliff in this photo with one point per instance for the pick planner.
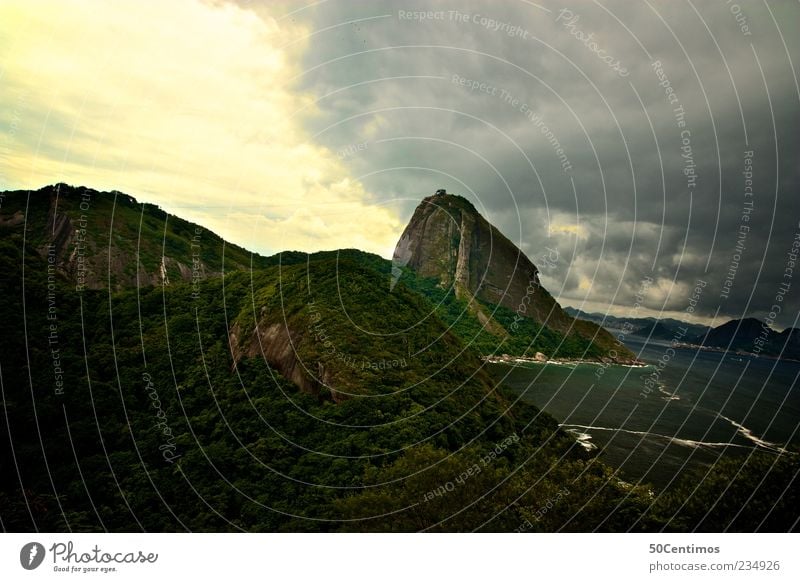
(448, 240)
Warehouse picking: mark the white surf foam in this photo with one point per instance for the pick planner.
(667, 394)
(748, 434)
(583, 438)
(675, 440)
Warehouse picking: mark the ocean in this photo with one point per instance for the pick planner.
(683, 411)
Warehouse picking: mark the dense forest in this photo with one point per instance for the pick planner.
(140, 409)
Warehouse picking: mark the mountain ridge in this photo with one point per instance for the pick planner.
(155, 371)
(747, 335)
(99, 239)
(203, 428)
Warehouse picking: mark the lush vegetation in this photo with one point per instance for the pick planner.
(136, 410)
(138, 235)
(759, 492)
(521, 335)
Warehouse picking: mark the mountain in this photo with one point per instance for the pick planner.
(735, 334)
(306, 394)
(96, 239)
(311, 392)
(747, 335)
(788, 342)
(642, 323)
(658, 331)
(332, 327)
(449, 242)
(753, 336)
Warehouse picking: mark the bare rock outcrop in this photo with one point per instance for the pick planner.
(278, 345)
(449, 240)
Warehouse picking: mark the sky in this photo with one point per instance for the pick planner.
(644, 155)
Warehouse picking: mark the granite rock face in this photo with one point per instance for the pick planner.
(449, 240)
(277, 344)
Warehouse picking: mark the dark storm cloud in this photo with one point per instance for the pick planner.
(510, 105)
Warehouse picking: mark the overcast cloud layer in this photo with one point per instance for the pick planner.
(634, 194)
(614, 132)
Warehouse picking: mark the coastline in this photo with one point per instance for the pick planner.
(540, 358)
(734, 352)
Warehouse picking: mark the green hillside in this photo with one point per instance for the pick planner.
(303, 394)
(102, 238)
(147, 423)
(519, 336)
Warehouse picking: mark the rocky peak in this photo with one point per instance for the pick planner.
(448, 239)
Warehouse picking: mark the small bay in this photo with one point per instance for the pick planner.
(683, 411)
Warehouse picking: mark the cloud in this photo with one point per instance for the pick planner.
(187, 104)
(322, 125)
(515, 109)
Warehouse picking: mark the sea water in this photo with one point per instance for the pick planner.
(682, 411)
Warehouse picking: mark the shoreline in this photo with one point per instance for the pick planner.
(544, 360)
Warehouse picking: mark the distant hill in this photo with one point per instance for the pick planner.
(789, 341)
(747, 335)
(97, 239)
(607, 321)
(659, 331)
(753, 336)
(737, 334)
(640, 324)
